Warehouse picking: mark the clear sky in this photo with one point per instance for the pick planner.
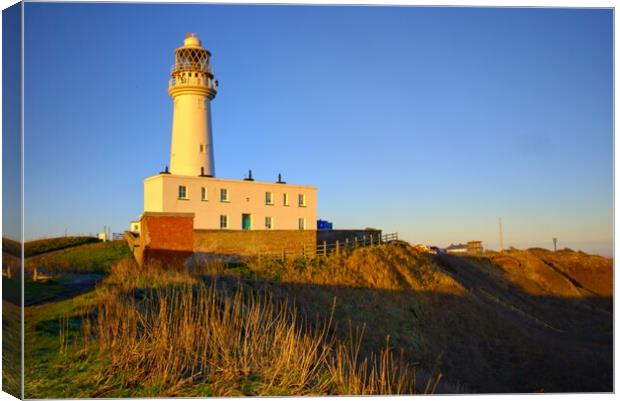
(432, 122)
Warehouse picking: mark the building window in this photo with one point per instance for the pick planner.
(302, 224)
(302, 200)
(268, 223)
(202, 148)
(203, 193)
(224, 195)
(285, 199)
(268, 198)
(223, 221)
(182, 192)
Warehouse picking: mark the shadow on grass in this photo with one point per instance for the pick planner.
(59, 288)
(493, 338)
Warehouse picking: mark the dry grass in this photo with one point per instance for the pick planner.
(169, 330)
(233, 328)
(563, 273)
(385, 267)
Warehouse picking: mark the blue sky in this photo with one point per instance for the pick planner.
(432, 122)
(11, 123)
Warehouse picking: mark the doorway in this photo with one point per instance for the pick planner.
(246, 221)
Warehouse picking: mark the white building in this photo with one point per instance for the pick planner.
(134, 227)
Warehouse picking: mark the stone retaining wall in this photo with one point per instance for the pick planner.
(239, 242)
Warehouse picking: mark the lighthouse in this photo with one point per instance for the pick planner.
(192, 86)
(190, 195)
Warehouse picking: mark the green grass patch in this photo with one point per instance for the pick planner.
(90, 258)
(11, 348)
(37, 247)
(51, 373)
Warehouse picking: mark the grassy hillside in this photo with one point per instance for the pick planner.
(93, 258)
(11, 247)
(37, 247)
(520, 321)
(69, 271)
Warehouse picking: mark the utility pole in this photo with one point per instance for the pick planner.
(501, 236)
(555, 244)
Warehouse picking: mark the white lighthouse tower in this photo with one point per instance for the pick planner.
(192, 87)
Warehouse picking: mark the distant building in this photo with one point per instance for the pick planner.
(469, 247)
(474, 247)
(134, 227)
(459, 248)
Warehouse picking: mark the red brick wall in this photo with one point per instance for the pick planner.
(168, 237)
(168, 232)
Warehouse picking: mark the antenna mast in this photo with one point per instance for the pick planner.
(501, 236)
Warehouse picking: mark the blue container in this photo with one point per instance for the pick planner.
(324, 225)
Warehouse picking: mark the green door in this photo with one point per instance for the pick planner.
(246, 221)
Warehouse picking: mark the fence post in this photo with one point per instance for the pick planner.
(338, 247)
(364, 240)
(371, 241)
(324, 248)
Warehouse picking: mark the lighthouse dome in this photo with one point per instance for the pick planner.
(191, 40)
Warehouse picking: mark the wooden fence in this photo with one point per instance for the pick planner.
(324, 249)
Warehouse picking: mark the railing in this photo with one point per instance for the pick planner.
(193, 81)
(191, 67)
(325, 249)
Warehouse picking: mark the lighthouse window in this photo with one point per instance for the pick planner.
(224, 195)
(268, 198)
(182, 192)
(302, 200)
(203, 193)
(302, 224)
(202, 148)
(268, 223)
(285, 200)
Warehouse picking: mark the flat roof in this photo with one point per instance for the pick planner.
(216, 179)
